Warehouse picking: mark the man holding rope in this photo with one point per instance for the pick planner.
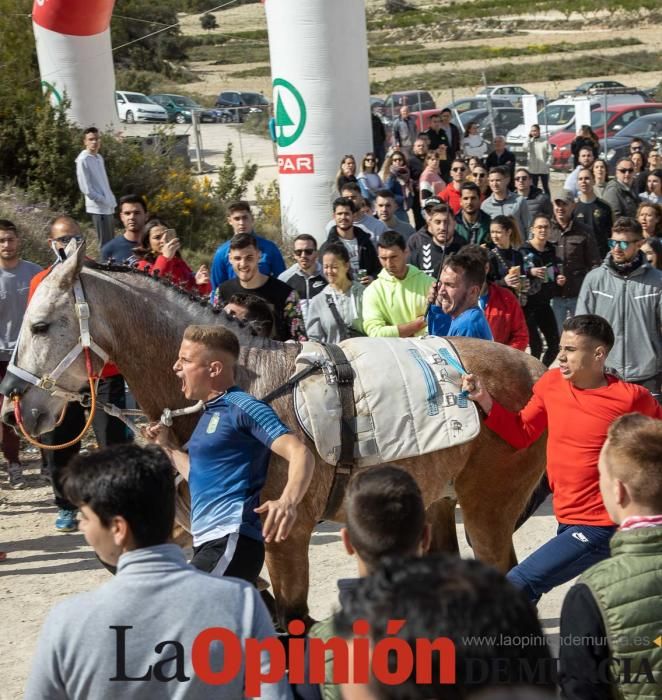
(227, 459)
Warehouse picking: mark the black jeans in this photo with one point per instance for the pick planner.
(540, 318)
(233, 555)
(57, 460)
(110, 430)
(544, 182)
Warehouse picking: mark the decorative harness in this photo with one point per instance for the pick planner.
(49, 382)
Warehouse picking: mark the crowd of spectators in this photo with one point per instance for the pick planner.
(451, 238)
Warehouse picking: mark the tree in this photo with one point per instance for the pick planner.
(394, 6)
(208, 21)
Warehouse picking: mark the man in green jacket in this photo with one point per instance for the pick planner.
(394, 304)
(612, 617)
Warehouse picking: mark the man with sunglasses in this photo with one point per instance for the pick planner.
(108, 430)
(619, 194)
(627, 291)
(451, 194)
(305, 276)
(536, 200)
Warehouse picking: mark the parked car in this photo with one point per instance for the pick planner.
(467, 103)
(512, 93)
(180, 107)
(648, 128)
(505, 119)
(376, 105)
(239, 104)
(136, 107)
(616, 118)
(591, 86)
(417, 100)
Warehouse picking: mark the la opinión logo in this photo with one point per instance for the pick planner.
(391, 660)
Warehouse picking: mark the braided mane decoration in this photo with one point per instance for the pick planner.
(166, 281)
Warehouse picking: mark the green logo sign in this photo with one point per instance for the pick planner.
(49, 90)
(290, 112)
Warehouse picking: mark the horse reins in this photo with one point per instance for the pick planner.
(48, 383)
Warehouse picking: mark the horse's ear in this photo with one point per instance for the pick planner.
(70, 268)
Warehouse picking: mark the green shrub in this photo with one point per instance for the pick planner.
(257, 72)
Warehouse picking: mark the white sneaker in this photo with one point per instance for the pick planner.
(16, 480)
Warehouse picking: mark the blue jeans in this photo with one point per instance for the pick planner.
(570, 553)
(563, 308)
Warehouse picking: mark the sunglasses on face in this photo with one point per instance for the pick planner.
(523, 177)
(626, 170)
(64, 240)
(623, 245)
(304, 251)
(458, 170)
(479, 174)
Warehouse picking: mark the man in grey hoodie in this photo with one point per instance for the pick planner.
(139, 634)
(305, 276)
(626, 291)
(93, 182)
(504, 202)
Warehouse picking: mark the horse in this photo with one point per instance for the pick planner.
(138, 321)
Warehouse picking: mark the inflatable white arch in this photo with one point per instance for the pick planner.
(321, 98)
(75, 57)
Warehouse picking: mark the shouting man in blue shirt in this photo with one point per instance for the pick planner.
(227, 459)
(456, 311)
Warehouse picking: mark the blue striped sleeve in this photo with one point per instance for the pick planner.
(262, 421)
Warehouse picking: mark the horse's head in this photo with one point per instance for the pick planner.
(50, 331)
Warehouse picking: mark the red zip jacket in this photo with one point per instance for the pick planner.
(577, 421)
(505, 317)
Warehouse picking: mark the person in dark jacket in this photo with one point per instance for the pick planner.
(542, 268)
(618, 192)
(428, 248)
(503, 157)
(378, 138)
(586, 138)
(594, 213)
(471, 223)
(363, 259)
(577, 252)
(536, 200)
(614, 609)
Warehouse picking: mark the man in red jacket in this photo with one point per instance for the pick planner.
(576, 404)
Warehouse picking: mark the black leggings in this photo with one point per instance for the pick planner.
(540, 319)
(233, 555)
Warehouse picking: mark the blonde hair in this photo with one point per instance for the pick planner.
(634, 456)
(214, 338)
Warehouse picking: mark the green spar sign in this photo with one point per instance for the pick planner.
(290, 112)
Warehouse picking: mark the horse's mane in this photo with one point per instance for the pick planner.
(181, 294)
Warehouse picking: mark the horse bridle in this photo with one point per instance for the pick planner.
(49, 382)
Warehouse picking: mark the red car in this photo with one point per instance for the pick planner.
(617, 116)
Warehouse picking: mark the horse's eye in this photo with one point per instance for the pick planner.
(40, 328)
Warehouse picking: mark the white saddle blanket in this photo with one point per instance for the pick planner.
(407, 394)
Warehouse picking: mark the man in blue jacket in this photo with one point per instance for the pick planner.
(271, 260)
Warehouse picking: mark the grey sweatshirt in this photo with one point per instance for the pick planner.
(14, 288)
(158, 598)
(93, 183)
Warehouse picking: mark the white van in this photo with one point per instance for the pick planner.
(559, 115)
(136, 107)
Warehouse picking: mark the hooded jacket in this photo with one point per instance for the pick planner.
(389, 302)
(306, 286)
(622, 200)
(368, 259)
(633, 306)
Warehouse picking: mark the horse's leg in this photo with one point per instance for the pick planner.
(441, 517)
(493, 490)
(289, 573)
